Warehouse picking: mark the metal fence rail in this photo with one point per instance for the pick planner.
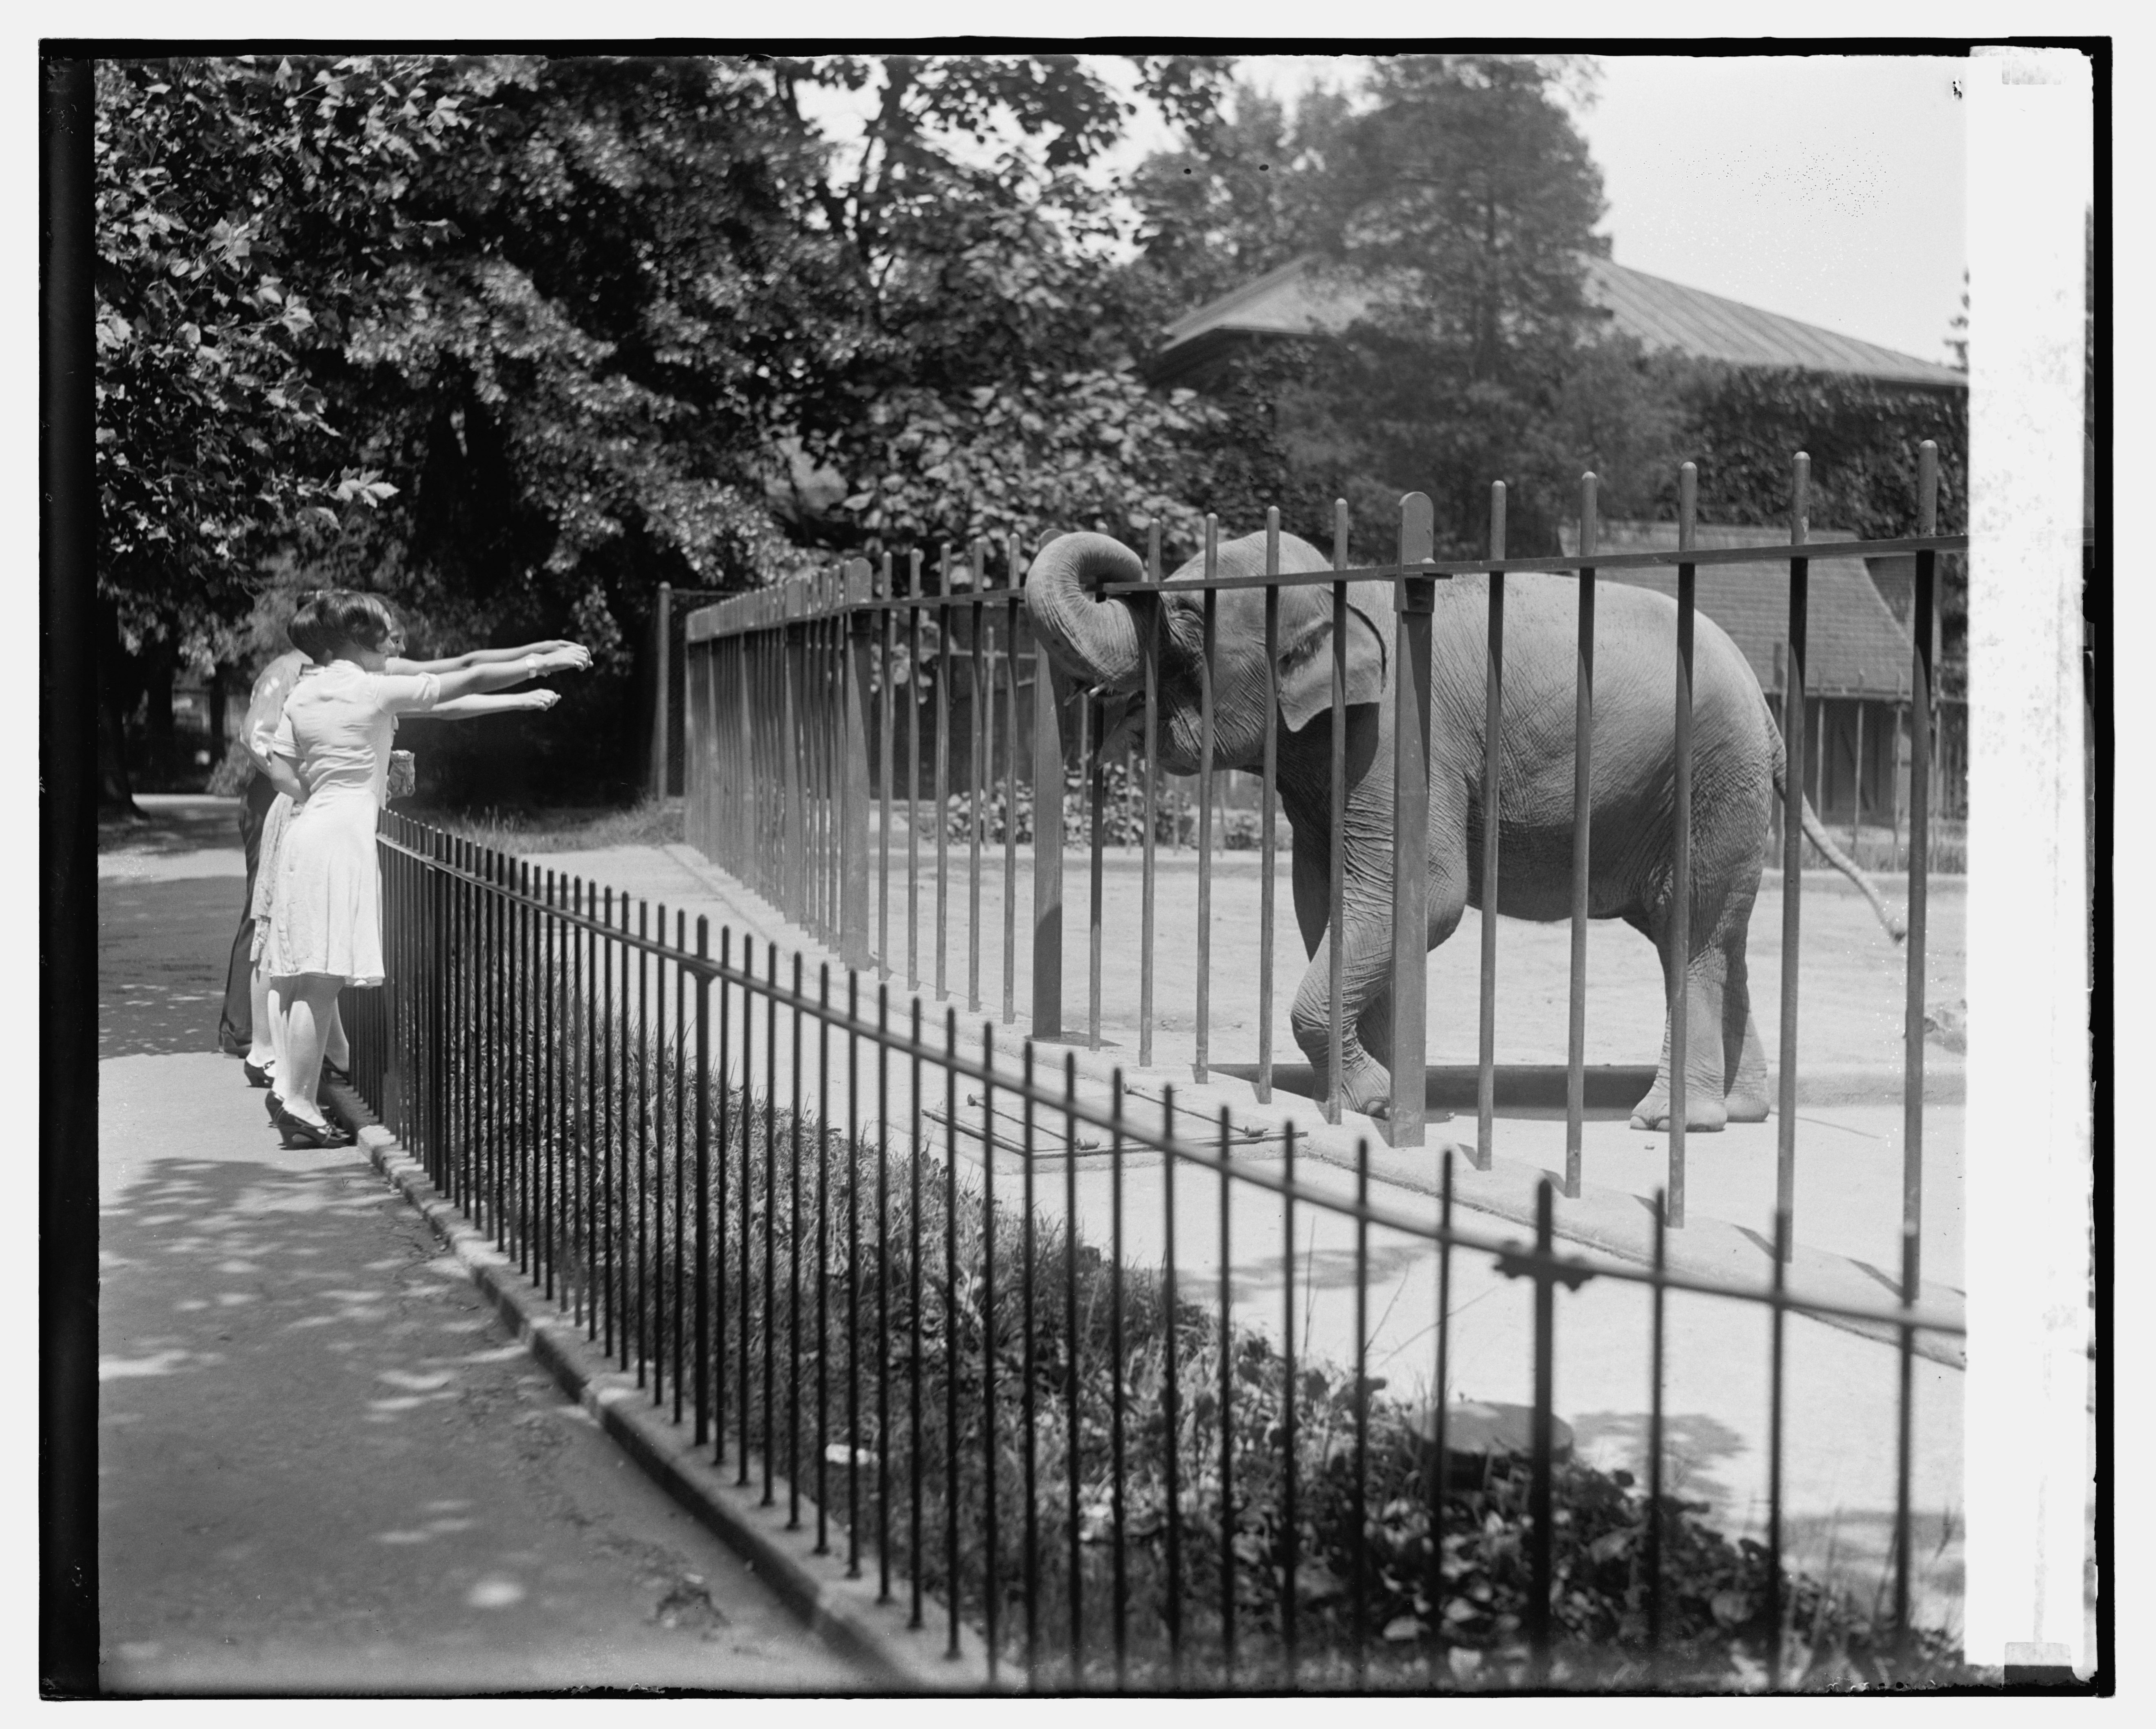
(796, 695)
(856, 1255)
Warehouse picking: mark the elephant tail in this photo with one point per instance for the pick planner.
(1815, 833)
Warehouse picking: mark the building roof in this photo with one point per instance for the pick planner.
(1854, 645)
(1666, 317)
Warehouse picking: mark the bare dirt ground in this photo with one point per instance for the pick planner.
(1851, 974)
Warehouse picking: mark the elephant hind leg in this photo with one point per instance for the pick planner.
(1705, 987)
(1748, 1097)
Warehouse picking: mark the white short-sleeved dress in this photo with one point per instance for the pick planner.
(326, 914)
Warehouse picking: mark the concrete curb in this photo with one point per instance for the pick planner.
(841, 1611)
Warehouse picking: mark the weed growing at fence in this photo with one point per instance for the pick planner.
(917, 1331)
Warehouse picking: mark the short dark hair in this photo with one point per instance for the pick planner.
(334, 619)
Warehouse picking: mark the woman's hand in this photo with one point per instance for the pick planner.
(560, 657)
(541, 700)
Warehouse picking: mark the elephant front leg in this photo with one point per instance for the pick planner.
(1365, 1083)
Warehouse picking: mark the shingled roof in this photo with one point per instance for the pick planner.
(1665, 316)
(1854, 647)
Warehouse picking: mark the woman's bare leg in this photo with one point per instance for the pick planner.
(310, 1013)
(336, 1049)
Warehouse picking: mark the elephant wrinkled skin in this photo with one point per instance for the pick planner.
(1737, 764)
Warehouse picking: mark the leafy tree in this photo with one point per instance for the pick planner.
(989, 387)
(236, 200)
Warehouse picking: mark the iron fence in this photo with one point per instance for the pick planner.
(857, 1257)
(795, 695)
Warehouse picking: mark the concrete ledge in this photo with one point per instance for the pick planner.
(844, 1612)
(1615, 1222)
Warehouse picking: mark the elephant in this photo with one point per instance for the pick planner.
(1098, 641)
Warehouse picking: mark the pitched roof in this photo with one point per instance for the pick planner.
(1663, 316)
(1853, 644)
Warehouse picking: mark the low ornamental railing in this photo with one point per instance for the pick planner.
(863, 1261)
(795, 697)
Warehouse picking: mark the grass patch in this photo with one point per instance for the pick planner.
(567, 828)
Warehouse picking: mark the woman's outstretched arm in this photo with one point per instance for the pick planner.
(471, 708)
(487, 657)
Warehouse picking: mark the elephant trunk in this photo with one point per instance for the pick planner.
(1090, 637)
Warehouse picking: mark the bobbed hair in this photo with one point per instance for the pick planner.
(333, 619)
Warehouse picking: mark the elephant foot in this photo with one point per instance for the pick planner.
(1747, 1107)
(1703, 1115)
(1366, 1087)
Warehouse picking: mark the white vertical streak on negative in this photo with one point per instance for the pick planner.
(2028, 1149)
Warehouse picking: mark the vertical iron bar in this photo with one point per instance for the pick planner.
(1440, 1458)
(1792, 837)
(1010, 781)
(770, 1217)
(1413, 598)
(1920, 830)
(1092, 716)
(609, 1252)
(1493, 745)
(1660, 1298)
(913, 771)
(1047, 850)
(952, 1588)
(794, 1270)
(1202, 1027)
(1289, 1533)
(1120, 1579)
(917, 1562)
(1774, 1605)
(1268, 795)
(977, 771)
(1538, 1493)
(883, 1293)
(1582, 733)
(1026, 1401)
(747, 1260)
(1678, 964)
(1151, 622)
(886, 643)
(1171, 1389)
(1904, 1442)
(853, 1167)
(1359, 1503)
(1227, 1398)
(1073, 1370)
(647, 1151)
(1336, 841)
(822, 1257)
(943, 775)
(992, 1586)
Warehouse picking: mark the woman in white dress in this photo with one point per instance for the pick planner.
(273, 688)
(325, 927)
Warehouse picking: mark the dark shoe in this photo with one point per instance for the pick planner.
(273, 1104)
(298, 1131)
(255, 1076)
(342, 1077)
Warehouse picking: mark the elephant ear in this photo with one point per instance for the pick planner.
(1305, 663)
